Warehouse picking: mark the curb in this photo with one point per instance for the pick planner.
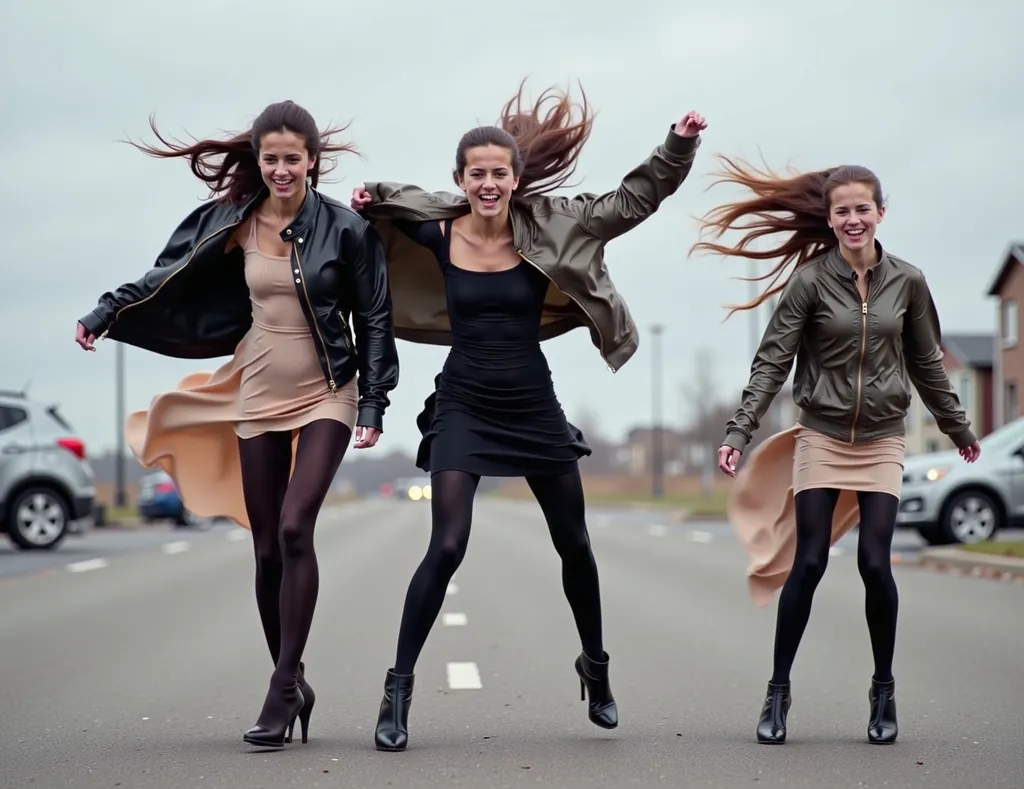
(1003, 568)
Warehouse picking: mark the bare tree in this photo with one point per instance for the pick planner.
(707, 413)
(602, 458)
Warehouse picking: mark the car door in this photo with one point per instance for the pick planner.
(17, 448)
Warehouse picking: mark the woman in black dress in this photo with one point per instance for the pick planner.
(494, 412)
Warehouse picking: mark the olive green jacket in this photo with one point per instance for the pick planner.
(563, 237)
(855, 361)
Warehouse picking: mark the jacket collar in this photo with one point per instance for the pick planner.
(834, 261)
(302, 220)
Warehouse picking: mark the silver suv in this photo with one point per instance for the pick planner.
(46, 482)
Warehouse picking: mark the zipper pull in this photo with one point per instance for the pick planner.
(864, 308)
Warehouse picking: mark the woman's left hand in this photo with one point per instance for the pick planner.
(691, 125)
(971, 453)
(366, 437)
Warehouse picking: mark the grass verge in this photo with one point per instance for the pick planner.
(1014, 550)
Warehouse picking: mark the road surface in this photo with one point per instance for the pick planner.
(144, 668)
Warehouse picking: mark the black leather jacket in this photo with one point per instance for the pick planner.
(194, 303)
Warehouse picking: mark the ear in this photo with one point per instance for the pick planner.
(459, 181)
(515, 183)
(881, 213)
(312, 164)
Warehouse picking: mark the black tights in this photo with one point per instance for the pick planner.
(560, 499)
(282, 513)
(814, 509)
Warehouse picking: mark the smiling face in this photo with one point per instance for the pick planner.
(284, 163)
(854, 216)
(488, 179)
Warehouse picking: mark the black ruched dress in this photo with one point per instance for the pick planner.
(494, 412)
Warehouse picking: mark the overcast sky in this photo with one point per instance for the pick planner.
(925, 94)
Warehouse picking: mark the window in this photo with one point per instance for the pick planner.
(965, 389)
(1010, 408)
(10, 416)
(1008, 329)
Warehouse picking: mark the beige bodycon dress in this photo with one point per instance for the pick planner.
(273, 383)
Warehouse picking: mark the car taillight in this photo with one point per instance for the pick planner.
(165, 487)
(73, 445)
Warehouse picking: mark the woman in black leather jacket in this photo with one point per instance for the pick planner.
(293, 286)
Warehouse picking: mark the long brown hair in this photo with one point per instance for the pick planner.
(230, 166)
(798, 205)
(545, 144)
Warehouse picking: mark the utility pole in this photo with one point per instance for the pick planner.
(657, 438)
(120, 496)
(755, 327)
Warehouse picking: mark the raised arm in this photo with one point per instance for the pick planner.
(645, 187)
(373, 324)
(922, 346)
(772, 362)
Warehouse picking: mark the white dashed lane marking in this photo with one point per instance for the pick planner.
(453, 620)
(700, 536)
(85, 566)
(175, 547)
(452, 588)
(237, 534)
(657, 530)
(464, 676)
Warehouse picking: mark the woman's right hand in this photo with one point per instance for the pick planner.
(84, 338)
(728, 459)
(360, 198)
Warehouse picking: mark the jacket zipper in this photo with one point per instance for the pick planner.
(344, 325)
(577, 301)
(316, 324)
(169, 277)
(860, 366)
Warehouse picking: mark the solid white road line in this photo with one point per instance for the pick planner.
(464, 676)
(452, 588)
(85, 566)
(453, 620)
(175, 547)
(835, 550)
(700, 536)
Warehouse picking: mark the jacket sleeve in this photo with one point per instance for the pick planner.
(773, 360)
(922, 347)
(641, 192)
(373, 324)
(176, 250)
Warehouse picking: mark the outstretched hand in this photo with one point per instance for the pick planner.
(971, 453)
(728, 459)
(366, 437)
(691, 125)
(360, 198)
(84, 338)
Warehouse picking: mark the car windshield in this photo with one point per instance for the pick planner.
(1005, 439)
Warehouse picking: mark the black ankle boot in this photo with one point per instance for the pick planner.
(602, 710)
(772, 726)
(309, 699)
(882, 728)
(392, 732)
(277, 725)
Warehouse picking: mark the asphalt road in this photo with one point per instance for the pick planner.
(145, 669)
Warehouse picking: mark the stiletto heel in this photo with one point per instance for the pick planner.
(771, 728)
(392, 733)
(602, 709)
(309, 698)
(276, 734)
(304, 714)
(882, 726)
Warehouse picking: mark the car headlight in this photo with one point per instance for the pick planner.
(427, 491)
(936, 473)
(415, 493)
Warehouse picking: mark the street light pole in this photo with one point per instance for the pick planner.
(755, 328)
(120, 496)
(657, 439)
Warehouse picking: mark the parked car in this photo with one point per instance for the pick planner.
(159, 499)
(949, 501)
(413, 489)
(46, 482)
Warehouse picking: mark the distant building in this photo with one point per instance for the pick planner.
(1008, 289)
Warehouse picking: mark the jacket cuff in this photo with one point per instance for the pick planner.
(370, 416)
(735, 440)
(963, 438)
(93, 323)
(681, 146)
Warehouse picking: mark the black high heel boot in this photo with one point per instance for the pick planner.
(882, 728)
(772, 726)
(309, 699)
(392, 733)
(602, 709)
(280, 731)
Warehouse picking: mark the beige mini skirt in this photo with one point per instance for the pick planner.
(824, 462)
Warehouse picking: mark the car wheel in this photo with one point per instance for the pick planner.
(38, 519)
(970, 516)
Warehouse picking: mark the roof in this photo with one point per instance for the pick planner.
(1014, 257)
(971, 350)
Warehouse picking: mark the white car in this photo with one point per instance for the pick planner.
(948, 500)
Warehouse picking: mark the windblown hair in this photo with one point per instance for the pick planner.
(798, 205)
(545, 145)
(231, 166)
